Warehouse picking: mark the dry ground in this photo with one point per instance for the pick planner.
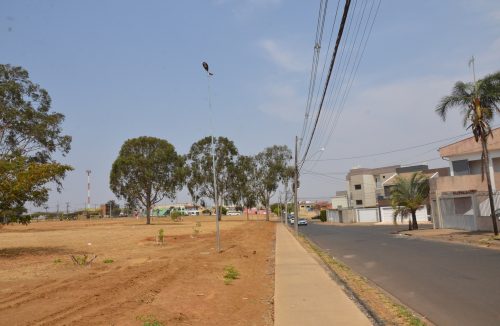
(479, 239)
(179, 283)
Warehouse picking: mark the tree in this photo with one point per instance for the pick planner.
(479, 102)
(408, 194)
(271, 168)
(30, 134)
(200, 180)
(147, 170)
(242, 186)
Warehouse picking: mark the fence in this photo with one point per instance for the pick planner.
(470, 212)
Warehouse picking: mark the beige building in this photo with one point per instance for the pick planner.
(464, 158)
(460, 200)
(340, 200)
(365, 186)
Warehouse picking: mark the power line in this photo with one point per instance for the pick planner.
(339, 37)
(348, 65)
(389, 152)
(314, 67)
(353, 72)
(306, 126)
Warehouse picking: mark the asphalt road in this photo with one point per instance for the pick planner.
(449, 284)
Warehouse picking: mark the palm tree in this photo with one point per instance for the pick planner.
(408, 194)
(479, 102)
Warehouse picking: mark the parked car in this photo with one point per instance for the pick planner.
(233, 213)
(302, 221)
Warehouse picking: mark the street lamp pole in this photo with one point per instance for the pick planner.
(295, 189)
(216, 197)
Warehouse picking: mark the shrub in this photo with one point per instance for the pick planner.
(84, 260)
(322, 216)
(161, 236)
(223, 210)
(230, 274)
(108, 261)
(175, 215)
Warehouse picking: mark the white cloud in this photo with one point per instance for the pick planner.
(282, 56)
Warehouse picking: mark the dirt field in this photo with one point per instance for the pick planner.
(179, 283)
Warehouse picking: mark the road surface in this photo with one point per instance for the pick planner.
(450, 284)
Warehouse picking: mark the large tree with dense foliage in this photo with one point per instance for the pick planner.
(479, 101)
(408, 195)
(271, 168)
(147, 170)
(200, 181)
(30, 134)
(242, 185)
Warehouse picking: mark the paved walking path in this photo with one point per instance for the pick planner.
(304, 292)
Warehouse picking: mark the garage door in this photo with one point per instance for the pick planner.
(386, 214)
(367, 215)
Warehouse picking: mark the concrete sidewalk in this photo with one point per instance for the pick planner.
(304, 292)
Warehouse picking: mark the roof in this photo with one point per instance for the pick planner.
(374, 171)
(429, 173)
(470, 146)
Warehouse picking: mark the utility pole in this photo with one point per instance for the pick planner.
(295, 189)
(67, 207)
(216, 197)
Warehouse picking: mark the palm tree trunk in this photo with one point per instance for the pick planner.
(414, 220)
(486, 163)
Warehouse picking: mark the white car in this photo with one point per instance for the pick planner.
(302, 221)
(233, 213)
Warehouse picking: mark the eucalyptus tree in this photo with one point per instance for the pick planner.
(30, 135)
(242, 186)
(147, 170)
(271, 168)
(200, 179)
(408, 195)
(479, 102)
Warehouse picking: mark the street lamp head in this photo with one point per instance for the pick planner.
(205, 66)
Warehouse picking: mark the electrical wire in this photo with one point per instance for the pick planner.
(327, 81)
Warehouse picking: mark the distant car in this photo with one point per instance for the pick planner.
(233, 213)
(193, 212)
(302, 221)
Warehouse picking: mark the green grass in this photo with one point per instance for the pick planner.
(230, 274)
(149, 320)
(57, 261)
(108, 261)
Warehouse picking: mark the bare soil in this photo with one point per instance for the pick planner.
(178, 283)
(478, 239)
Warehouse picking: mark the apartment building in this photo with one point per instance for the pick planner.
(365, 186)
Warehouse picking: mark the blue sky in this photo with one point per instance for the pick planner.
(122, 69)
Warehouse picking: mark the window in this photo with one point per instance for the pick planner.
(359, 202)
(357, 187)
(460, 167)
